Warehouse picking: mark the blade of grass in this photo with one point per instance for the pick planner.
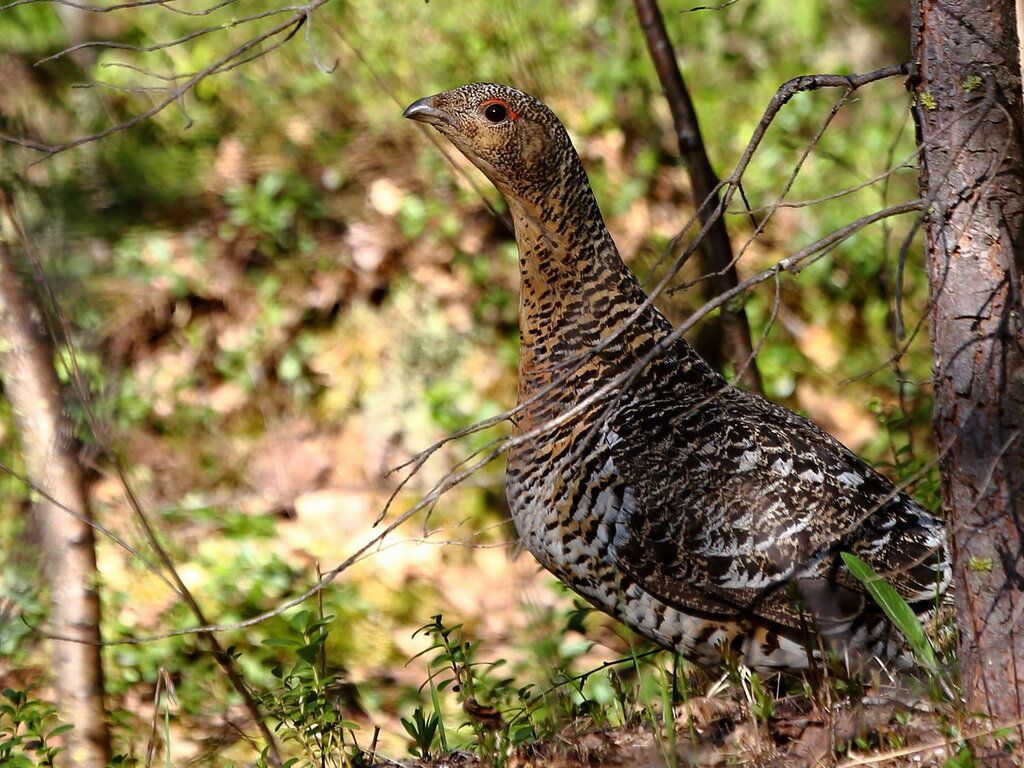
(436, 702)
(895, 608)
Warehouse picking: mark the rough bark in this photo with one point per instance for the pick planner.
(972, 172)
(716, 251)
(69, 559)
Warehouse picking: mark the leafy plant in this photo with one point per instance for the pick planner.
(468, 680)
(895, 608)
(304, 703)
(905, 620)
(27, 729)
(272, 209)
(423, 731)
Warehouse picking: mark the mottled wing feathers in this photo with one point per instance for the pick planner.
(742, 508)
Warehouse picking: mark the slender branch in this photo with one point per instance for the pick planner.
(716, 250)
(780, 199)
(165, 4)
(172, 43)
(250, 50)
(88, 520)
(906, 165)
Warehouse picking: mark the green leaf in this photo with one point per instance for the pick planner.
(410, 727)
(280, 642)
(309, 653)
(895, 607)
(299, 620)
(962, 759)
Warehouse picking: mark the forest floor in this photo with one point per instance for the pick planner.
(713, 732)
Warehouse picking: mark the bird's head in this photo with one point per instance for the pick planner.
(513, 138)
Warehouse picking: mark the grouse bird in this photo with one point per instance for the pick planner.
(702, 516)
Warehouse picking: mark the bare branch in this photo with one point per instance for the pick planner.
(116, 46)
(782, 195)
(719, 7)
(88, 520)
(20, 141)
(906, 165)
(165, 4)
(250, 50)
(717, 260)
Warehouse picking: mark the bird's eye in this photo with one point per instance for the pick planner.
(496, 112)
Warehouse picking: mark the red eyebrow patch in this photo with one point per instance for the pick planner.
(512, 114)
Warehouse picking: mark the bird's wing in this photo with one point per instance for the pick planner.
(741, 507)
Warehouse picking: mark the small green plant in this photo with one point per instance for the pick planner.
(502, 714)
(273, 209)
(304, 705)
(27, 729)
(470, 681)
(759, 699)
(971, 83)
(422, 729)
(667, 734)
(980, 564)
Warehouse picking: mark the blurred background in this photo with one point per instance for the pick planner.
(279, 290)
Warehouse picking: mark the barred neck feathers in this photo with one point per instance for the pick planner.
(574, 288)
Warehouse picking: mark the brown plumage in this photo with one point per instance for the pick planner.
(705, 517)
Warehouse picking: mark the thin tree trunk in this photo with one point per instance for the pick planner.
(972, 171)
(716, 250)
(69, 558)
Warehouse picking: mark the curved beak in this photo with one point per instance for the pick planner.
(424, 111)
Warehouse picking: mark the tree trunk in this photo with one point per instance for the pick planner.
(972, 173)
(69, 558)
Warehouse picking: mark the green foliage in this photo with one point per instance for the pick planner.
(305, 703)
(502, 706)
(422, 730)
(274, 209)
(971, 83)
(980, 564)
(963, 758)
(31, 28)
(28, 727)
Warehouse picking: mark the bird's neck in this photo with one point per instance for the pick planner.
(577, 296)
(570, 271)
